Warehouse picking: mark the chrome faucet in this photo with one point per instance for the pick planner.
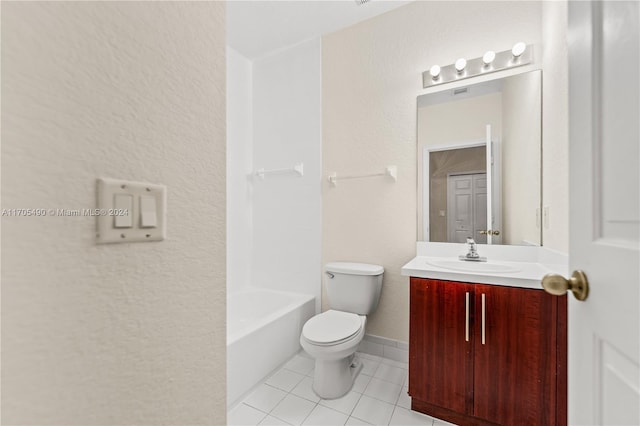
(472, 255)
(473, 252)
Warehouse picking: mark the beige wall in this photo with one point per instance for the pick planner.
(555, 125)
(124, 333)
(371, 77)
(460, 120)
(521, 114)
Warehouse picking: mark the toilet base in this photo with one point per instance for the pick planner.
(334, 378)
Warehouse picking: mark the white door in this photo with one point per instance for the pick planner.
(604, 347)
(466, 207)
(480, 202)
(489, 167)
(494, 189)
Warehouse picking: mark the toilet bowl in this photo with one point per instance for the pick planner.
(332, 337)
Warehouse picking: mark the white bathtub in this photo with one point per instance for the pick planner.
(263, 331)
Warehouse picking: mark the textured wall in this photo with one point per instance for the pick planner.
(371, 77)
(287, 126)
(126, 333)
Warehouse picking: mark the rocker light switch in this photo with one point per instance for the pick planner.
(148, 214)
(123, 203)
(130, 211)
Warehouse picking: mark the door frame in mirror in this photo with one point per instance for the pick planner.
(424, 203)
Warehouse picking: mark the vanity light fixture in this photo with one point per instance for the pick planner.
(434, 71)
(488, 57)
(520, 54)
(518, 49)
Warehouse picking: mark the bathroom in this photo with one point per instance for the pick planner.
(336, 103)
(318, 103)
(256, 116)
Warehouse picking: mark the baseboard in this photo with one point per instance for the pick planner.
(384, 347)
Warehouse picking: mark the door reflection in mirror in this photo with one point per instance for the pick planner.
(454, 210)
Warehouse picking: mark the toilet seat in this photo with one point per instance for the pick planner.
(331, 328)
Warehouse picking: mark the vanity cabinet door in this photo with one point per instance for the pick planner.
(515, 362)
(441, 344)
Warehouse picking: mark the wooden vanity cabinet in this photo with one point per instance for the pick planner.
(515, 375)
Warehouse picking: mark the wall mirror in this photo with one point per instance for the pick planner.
(479, 162)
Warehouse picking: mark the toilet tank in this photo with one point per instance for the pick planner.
(353, 287)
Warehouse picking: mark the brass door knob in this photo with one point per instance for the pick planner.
(494, 232)
(489, 232)
(558, 285)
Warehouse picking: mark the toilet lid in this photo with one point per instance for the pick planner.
(331, 326)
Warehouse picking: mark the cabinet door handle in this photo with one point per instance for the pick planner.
(483, 317)
(466, 324)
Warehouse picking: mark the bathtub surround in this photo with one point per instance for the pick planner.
(369, 120)
(274, 224)
(286, 208)
(275, 122)
(128, 333)
(264, 322)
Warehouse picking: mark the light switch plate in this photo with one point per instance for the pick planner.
(106, 212)
(545, 217)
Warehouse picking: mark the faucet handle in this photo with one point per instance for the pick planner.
(473, 253)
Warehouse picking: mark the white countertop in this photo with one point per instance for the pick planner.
(527, 264)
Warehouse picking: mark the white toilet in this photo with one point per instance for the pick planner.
(332, 337)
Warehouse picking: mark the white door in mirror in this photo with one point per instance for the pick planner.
(130, 211)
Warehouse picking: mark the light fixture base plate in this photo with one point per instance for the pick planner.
(475, 67)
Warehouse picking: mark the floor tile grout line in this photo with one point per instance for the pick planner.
(293, 394)
(377, 360)
(314, 407)
(257, 409)
(387, 381)
(354, 407)
(392, 413)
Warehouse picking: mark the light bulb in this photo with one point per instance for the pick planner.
(488, 57)
(435, 72)
(518, 49)
(461, 64)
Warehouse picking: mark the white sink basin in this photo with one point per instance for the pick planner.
(465, 266)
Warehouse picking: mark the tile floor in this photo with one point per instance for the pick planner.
(379, 397)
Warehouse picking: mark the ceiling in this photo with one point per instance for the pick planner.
(255, 28)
